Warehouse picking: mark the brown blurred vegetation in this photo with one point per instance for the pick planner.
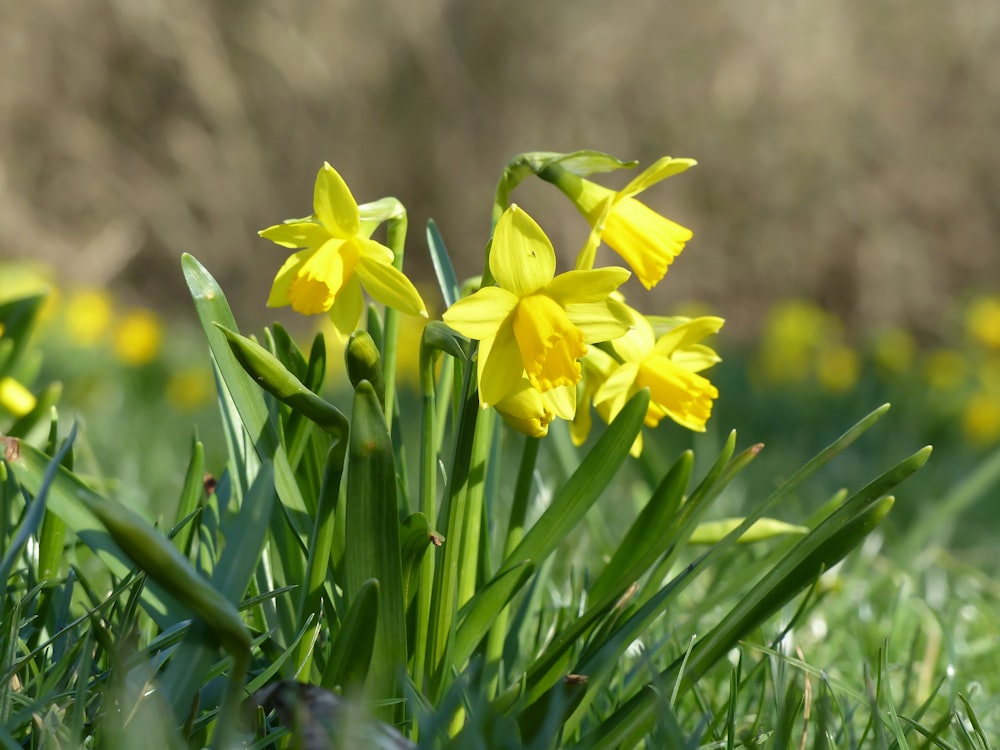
(848, 150)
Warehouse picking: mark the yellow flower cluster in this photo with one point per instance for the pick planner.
(549, 344)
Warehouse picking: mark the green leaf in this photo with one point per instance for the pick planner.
(646, 539)
(351, 654)
(443, 268)
(244, 535)
(191, 495)
(239, 389)
(372, 533)
(567, 509)
(416, 535)
(819, 550)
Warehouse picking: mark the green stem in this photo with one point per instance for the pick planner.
(428, 502)
(396, 239)
(515, 531)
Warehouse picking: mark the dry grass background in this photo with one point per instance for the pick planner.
(848, 150)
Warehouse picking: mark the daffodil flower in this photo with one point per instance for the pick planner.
(647, 241)
(535, 324)
(668, 366)
(530, 411)
(337, 260)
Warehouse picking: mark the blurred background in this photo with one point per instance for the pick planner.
(846, 205)
(848, 151)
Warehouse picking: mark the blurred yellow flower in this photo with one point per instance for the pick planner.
(981, 418)
(945, 369)
(982, 321)
(88, 316)
(647, 241)
(339, 257)
(837, 368)
(793, 333)
(137, 337)
(534, 323)
(190, 388)
(15, 399)
(893, 351)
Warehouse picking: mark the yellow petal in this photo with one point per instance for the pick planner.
(689, 333)
(289, 271)
(598, 321)
(347, 308)
(685, 396)
(390, 287)
(481, 314)
(320, 279)
(659, 170)
(615, 391)
(586, 286)
(526, 410)
(521, 258)
(500, 367)
(334, 205)
(296, 234)
(646, 240)
(550, 344)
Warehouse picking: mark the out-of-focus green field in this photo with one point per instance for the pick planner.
(142, 385)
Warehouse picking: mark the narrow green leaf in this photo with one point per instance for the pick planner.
(247, 400)
(644, 541)
(372, 533)
(29, 466)
(826, 545)
(244, 535)
(443, 268)
(288, 352)
(416, 535)
(567, 509)
(191, 495)
(351, 654)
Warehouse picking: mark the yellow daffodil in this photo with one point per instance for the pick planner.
(339, 257)
(530, 411)
(668, 366)
(534, 323)
(646, 240)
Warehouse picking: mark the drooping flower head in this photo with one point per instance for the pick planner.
(535, 324)
(530, 411)
(337, 260)
(668, 366)
(647, 241)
